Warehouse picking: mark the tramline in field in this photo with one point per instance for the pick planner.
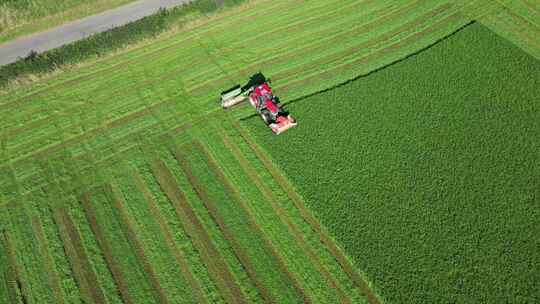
(261, 97)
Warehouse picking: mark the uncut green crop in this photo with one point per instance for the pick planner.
(427, 172)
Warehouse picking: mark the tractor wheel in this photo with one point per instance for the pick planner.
(265, 115)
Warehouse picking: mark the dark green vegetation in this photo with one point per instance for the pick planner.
(427, 172)
(100, 44)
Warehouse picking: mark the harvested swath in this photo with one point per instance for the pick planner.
(308, 216)
(377, 55)
(392, 15)
(13, 274)
(221, 274)
(101, 129)
(105, 249)
(54, 279)
(209, 204)
(91, 134)
(127, 224)
(387, 36)
(178, 254)
(293, 229)
(275, 32)
(82, 269)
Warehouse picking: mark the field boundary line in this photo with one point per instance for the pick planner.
(387, 36)
(224, 279)
(118, 204)
(337, 252)
(105, 249)
(82, 269)
(378, 54)
(235, 194)
(13, 271)
(53, 277)
(292, 228)
(178, 254)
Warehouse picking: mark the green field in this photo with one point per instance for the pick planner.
(427, 172)
(124, 182)
(23, 17)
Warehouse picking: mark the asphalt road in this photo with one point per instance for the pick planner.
(76, 30)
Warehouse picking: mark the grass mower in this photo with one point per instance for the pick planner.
(261, 97)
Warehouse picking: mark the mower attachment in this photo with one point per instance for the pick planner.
(232, 96)
(283, 124)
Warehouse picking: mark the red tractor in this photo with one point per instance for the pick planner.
(263, 100)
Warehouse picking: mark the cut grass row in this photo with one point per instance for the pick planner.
(169, 240)
(115, 241)
(201, 240)
(54, 278)
(80, 263)
(236, 196)
(239, 230)
(15, 290)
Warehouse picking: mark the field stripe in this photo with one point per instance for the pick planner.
(13, 275)
(242, 257)
(308, 216)
(82, 269)
(134, 137)
(127, 223)
(293, 229)
(387, 36)
(230, 236)
(178, 254)
(378, 54)
(92, 133)
(105, 249)
(212, 83)
(54, 279)
(229, 288)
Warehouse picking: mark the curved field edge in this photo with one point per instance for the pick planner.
(433, 166)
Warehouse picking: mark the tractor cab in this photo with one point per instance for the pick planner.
(263, 100)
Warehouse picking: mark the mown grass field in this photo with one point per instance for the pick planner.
(124, 182)
(23, 17)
